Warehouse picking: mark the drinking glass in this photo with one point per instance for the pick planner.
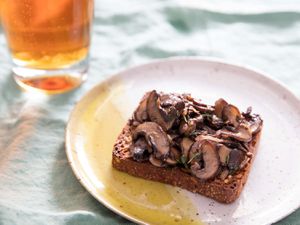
(49, 42)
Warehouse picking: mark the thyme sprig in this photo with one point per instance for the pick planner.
(184, 160)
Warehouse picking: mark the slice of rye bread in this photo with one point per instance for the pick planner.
(224, 191)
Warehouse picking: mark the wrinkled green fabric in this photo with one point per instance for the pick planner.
(37, 185)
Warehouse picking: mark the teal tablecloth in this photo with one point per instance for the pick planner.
(37, 186)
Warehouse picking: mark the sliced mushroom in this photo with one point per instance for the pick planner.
(185, 146)
(243, 146)
(208, 130)
(236, 157)
(202, 137)
(210, 161)
(174, 156)
(194, 101)
(199, 120)
(204, 109)
(224, 154)
(242, 133)
(232, 114)
(215, 122)
(191, 110)
(224, 174)
(219, 106)
(196, 166)
(155, 137)
(195, 154)
(173, 137)
(256, 124)
(164, 117)
(156, 162)
(169, 100)
(140, 113)
(188, 127)
(140, 150)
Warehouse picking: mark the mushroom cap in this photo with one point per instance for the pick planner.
(219, 106)
(202, 137)
(140, 114)
(164, 117)
(236, 157)
(210, 160)
(232, 114)
(215, 122)
(168, 100)
(194, 151)
(242, 133)
(188, 127)
(224, 152)
(140, 150)
(155, 137)
(185, 145)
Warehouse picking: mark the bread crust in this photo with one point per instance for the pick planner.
(224, 191)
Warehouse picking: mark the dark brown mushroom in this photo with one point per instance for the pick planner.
(242, 133)
(140, 150)
(210, 159)
(169, 100)
(243, 146)
(185, 146)
(219, 106)
(224, 154)
(155, 137)
(165, 117)
(156, 162)
(231, 114)
(140, 114)
(236, 157)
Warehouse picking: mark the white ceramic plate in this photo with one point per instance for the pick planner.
(272, 190)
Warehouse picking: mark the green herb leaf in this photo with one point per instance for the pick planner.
(194, 157)
(183, 159)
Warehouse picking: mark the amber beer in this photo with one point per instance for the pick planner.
(48, 35)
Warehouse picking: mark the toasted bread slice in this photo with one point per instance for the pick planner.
(216, 162)
(224, 191)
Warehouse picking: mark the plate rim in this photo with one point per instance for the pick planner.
(259, 73)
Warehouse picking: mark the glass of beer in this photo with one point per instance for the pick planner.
(49, 42)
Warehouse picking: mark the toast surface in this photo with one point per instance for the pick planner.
(225, 190)
(216, 189)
